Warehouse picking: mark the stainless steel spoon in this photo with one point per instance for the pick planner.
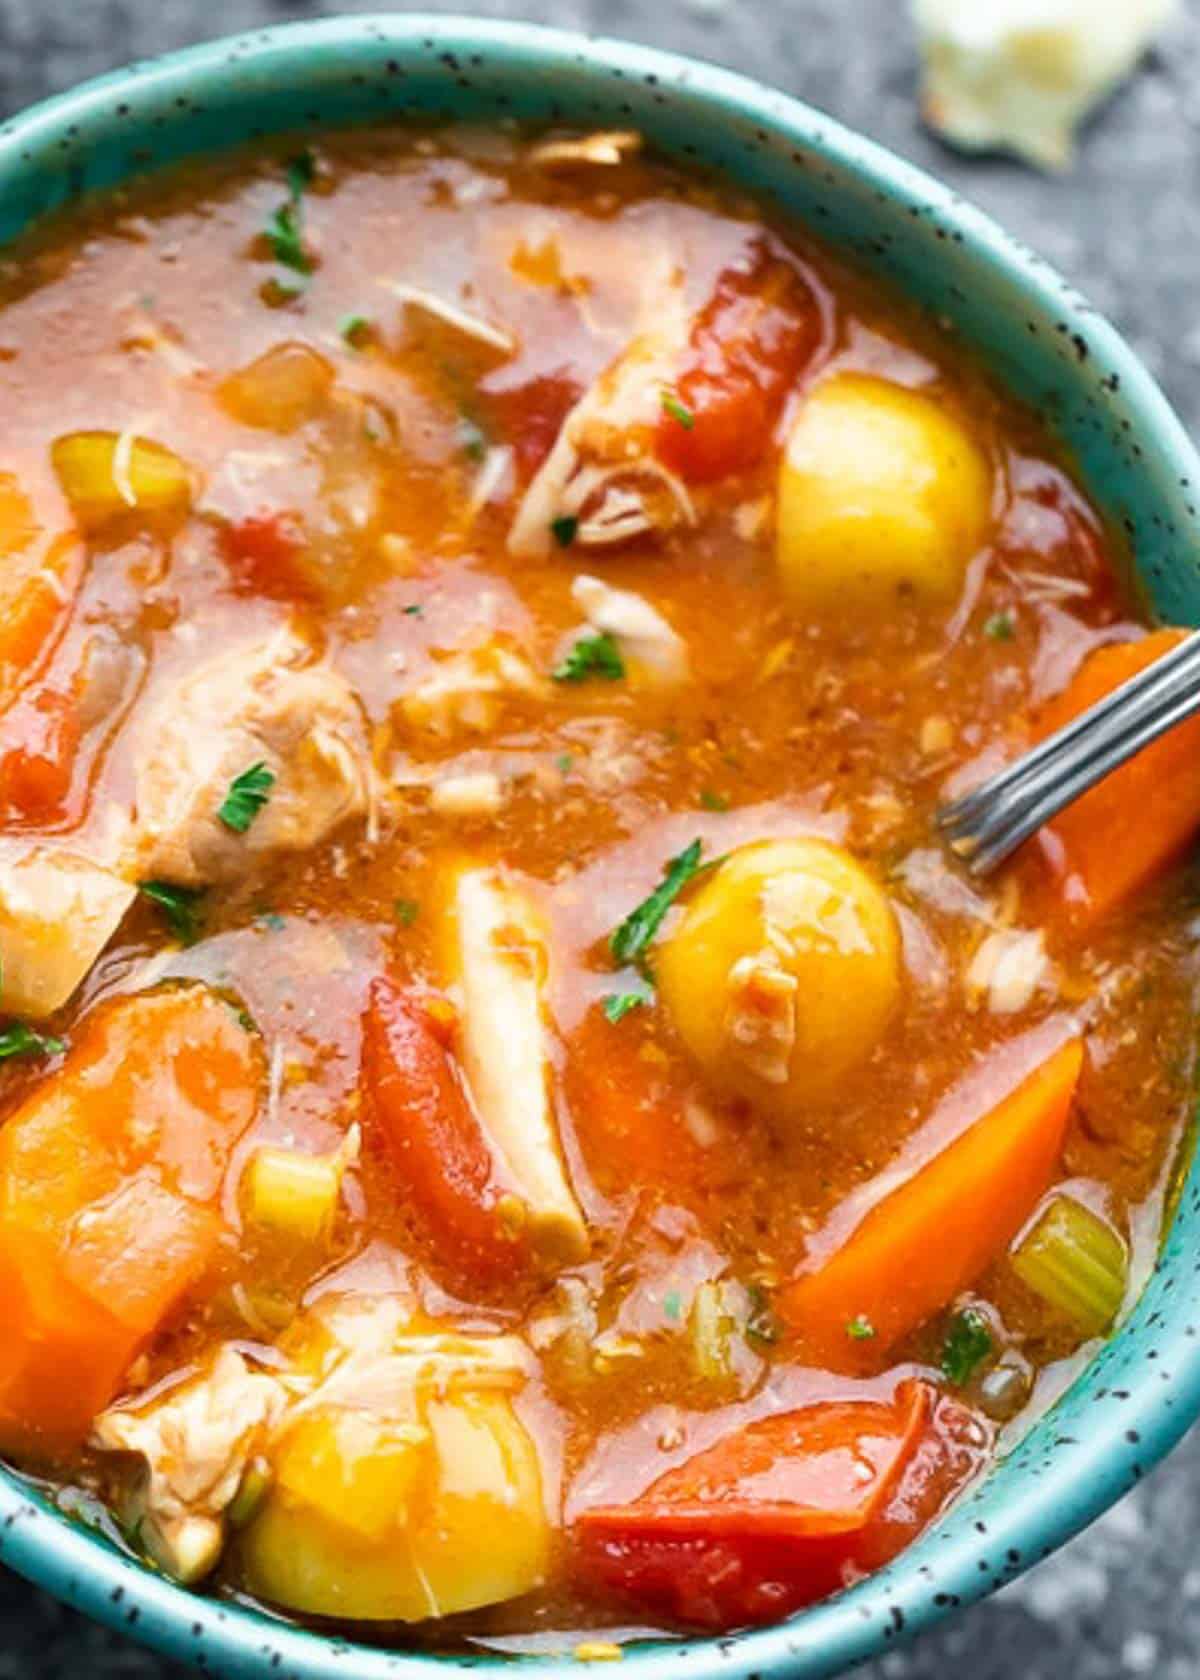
(987, 825)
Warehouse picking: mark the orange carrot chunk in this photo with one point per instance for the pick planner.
(110, 1175)
(1136, 821)
(919, 1247)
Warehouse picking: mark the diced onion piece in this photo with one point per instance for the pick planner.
(1076, 1262)
(57, 913)
(280, 390)
(109, 475)
(297, 1194)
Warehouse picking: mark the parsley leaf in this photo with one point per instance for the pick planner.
(472, 439)
(618, 1004)
(592, 656)
(677, 410)
(1000, 627)
(713, 801)
(672, 1305)
(564, 529)
(247, 795)
(179, 906)
(300, 172)
(285, 225)
(860, 1329)
(16, 1039)
(641, 924)
(968, 1341)
(406, 911)
(355, 329)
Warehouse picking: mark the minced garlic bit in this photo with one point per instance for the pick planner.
(1021, 74)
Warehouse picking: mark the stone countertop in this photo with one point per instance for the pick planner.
(1124, 1598)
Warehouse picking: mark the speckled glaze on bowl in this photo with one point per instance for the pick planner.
(1143, 1389)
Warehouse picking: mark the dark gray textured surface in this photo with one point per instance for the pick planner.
(1124, 1599)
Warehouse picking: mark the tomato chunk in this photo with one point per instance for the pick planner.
(265, 555)
(748, 345)
(433, 1136)
(783, 1512)
(39, 738)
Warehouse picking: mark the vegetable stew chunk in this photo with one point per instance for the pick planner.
(254, 753)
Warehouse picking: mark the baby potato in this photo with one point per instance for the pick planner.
(372, 1520)
(784, 971)
(883, 496)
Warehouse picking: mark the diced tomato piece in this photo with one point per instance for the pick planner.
(784, 1511)
(265, 553)
(528, 417)
(748, 345)
(433, 1135)
(39, 739)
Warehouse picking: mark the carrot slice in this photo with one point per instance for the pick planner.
(109, 1178)
(433, 1135)
(1131, 825)
(776, 1515)
(37, 589)
(915, 1250)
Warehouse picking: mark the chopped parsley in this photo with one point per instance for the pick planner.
(563, 529)
(179, 905)
(472, 438)
(414, 610)
(406, 911)
(1000, 627)
(285, 224)
(16, 1039)
(968, 1342)
(860, 1329)
(713, 801)
(639, 927)
(247, 795)
(618, 1004)
(677, 410)
(592, 656)
(672, 1305)
(355, 329)
(564, 764)
(761, 1324)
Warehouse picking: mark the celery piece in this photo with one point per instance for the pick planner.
(1076, 1262)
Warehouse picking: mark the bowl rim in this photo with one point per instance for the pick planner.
(899, 1601)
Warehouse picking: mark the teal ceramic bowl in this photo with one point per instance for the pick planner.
(1143, 1389)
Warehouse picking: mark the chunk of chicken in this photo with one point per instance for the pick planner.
(466, 693)
(499, 959)
(645, 639)
(260, 704)
(196, 1443)
(602, 474)
(57, 913)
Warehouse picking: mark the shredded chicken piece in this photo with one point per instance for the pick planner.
(500, 960)
(606, 148)
(1008, 968)
(454, 315)
(467, 692)
(57, 913)
(641, 632)
(196, 1443)
(760, 1017)
(601, 472)
(260, 704)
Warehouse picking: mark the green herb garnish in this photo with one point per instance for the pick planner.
(472, 438)
(247, 795)
(564, 764)
(285, 224)
(406, 911)
(592, 656)
(564, 528)
(968, 1341)
(1000, 627)
(639, 927)
(761, 1324)
(713, 801)
(677, 410)
(618, 1004)
(355, 329)
(860, 1329)
(179, 906)
(414, 610)
(17, 1039)
(672, 1305)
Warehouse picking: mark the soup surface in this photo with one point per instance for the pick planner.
(513, 1125)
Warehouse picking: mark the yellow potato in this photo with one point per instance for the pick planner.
(784, 971)
(372, 1520)
(109, 477)
(883, 497)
